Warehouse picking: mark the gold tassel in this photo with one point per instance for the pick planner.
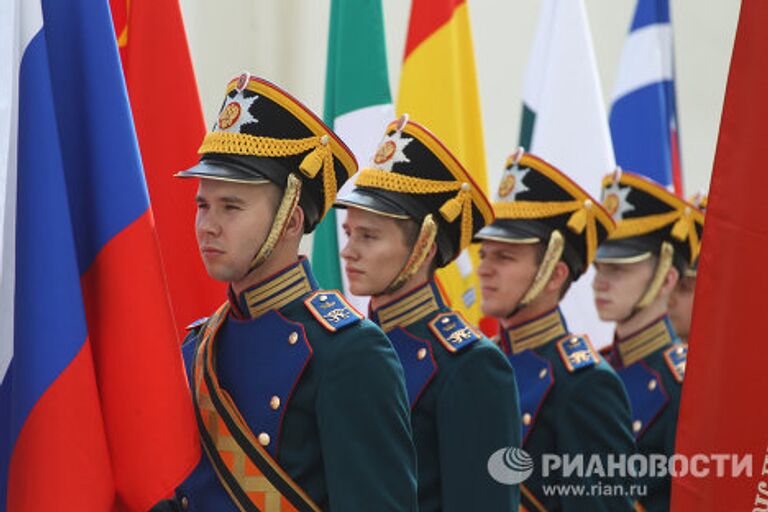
(454, 206)
(451, 209)
(578, 221)
(584, 218)
(329, 182)
(591, 244)
(695, 245)
(682, 227)
(313, 162)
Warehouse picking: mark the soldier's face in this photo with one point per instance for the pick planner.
(233, 220)
(506, 272)
(619, 287)
(375, 251)
(681, 306)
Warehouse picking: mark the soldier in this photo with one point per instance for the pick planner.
(545, 236)
(300, 401)
(414, 211)
(681, 300)
(656, 238)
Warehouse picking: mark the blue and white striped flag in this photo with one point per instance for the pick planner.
(643, 116)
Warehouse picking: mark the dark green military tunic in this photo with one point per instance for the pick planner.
(572, 403)
(651, 363)
(321, 389)
(464, 402)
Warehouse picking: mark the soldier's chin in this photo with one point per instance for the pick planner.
(358, 288)
(224, 275)
(608, 314)
(493, 309)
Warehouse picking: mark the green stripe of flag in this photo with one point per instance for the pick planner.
(356, 78)
(526, 127)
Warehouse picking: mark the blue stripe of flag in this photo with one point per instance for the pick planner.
(639, 124)
(649, 12)
(643, 122)
(49, 319)
(102, 161)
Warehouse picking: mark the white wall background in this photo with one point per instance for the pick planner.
(285, 41)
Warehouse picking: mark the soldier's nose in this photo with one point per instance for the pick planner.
(347, 253)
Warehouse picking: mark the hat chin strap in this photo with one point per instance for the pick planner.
(419, 253)
(666, 255)
(284, 212)
(552, 255)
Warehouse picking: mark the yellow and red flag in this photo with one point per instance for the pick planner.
(438, 88)
(170, 127)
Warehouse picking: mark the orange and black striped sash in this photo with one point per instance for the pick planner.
(248, 473)
(529, 502)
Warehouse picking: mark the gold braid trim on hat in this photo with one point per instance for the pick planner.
(419, 253)
(584, 217)
(284, 211)
(684, 228)
(552, 255)
(320, 156)
(461, 204)
(662, 267)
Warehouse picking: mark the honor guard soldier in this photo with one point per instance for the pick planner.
(546, 232)
(414, 210)
(656, 238)
(300, 401)
(681, 300)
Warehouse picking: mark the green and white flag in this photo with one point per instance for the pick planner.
(565, 123)
(358, 106)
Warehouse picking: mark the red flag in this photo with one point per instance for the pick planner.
(723, 409)
(170, 127)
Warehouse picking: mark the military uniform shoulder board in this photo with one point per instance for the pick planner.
(332, 310)
(577, 352)
(453, 331)
(676, 357)
(197, 324)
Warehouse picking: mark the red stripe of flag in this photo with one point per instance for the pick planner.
(170, 127)
(97, 422)
(126, 302)
(426, 17)
(60, 460)
(722, 409)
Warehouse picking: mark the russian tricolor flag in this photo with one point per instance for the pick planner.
(95, 413)
(643, 117)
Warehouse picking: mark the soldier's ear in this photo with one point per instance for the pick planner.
(559, 275)
(670, 281)
(431, 255)
(295, 225)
